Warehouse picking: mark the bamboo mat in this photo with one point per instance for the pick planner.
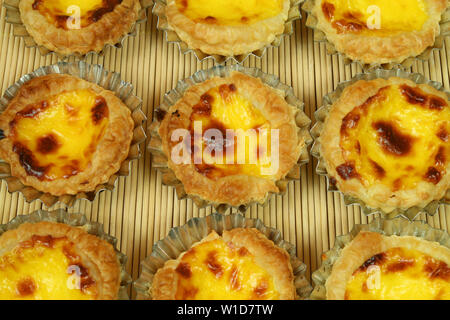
(141, 211)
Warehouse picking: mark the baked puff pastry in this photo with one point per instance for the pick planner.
(229, 141)
(374, 266)
(227, 27)
(54, 261)
(386, 143)
(379, 31)
(63, 135)
(242, 264)
(78, 26)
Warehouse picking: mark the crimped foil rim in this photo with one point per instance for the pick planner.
(322, 113)
(19, 30)
(319, 36)
(106, 79)
(75, 220)
(399, 227)
(159, 159)
(181, 239)
(162, 25)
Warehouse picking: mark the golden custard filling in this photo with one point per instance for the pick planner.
(375, 17)
(398, 137)
(57, 138)
(44, 268)
(216, 270)
(74, 14)
(400, 274)
(235, 136)
(229, 12)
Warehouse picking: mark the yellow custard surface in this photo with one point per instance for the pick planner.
(74, 14)
(44, 268)
(215, 270)
(398, 137)
(56, 139)
(229, 12)
(400, 274)
(376, 17)
(224, 108)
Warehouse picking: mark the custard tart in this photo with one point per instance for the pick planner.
(55, 261)
(230, 141)
(62, 135)
(386, 260)
(385, 142)
(376, 32)
(78, 26)
(227, 27)
(242, 264)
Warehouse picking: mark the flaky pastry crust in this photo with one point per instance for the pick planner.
(367, 244)
(273, 259)
(235, 190)
(107, 30)
(226, 40)
(97, 255)
(388, 49)
(111, 151)
(377, 195)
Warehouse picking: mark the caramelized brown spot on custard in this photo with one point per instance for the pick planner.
(48, 144)
(433, 175)
(29, 162)
(204, 107)
(99, 110)
(417, 96)
(160, 114)
(344, 26)
(374, 261)
(393, 141)
(210, 20)
(440, 157)
(328, 10)
(26, 287)
(234, 279)
(350, 121)
(226, 90)
(184, 270)
(347, 171)
(443, 134)
(243, 252)
(261, 288)
(378, 169)
(400, 265)
(108, 6)
(437, 269)
(213, 265)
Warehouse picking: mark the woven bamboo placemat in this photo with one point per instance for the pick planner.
(141, 211)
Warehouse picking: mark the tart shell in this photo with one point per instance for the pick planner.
(273, 259)
(181, 239)
(406, 202)
(38, 32)
(364, 241)
(375, 52)
(116, 92)
(228, 191)
(190, 37)
(96, 249)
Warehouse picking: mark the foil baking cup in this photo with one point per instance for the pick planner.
(397, 227)
(75, 220)
(181, 239)
(159, 158)
(171, 36)
(321, 115)
(109, 81)
(19, 30)
(321, 37)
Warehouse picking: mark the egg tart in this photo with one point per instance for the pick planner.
(78, 26)
(379, 32)
(230, 141)
(62, 135)
(54, 261)
(242, 264)
(385, 143)
(399, 265)
(226, 28)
